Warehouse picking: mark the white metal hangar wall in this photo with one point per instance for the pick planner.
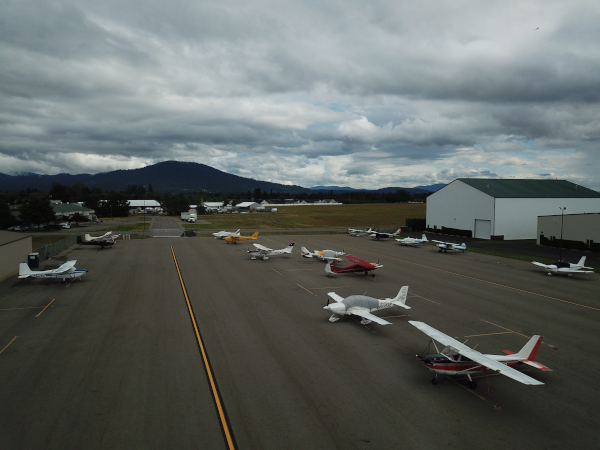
(507, 208)
(14, 248)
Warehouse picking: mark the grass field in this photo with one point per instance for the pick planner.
(335, 216)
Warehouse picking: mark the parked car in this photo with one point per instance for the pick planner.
(65, 225)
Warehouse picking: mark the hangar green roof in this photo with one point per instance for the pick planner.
(515, 188)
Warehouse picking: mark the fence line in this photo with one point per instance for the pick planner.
(49, 250)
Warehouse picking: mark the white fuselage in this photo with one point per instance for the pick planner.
(359, 302)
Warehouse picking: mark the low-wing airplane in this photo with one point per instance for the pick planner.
(323, 255)
(450, 246)
(363, 306)
(378, 235)
(223, 234)
(458, 359)
(566, 268)
(264, 252)
(413, 241)
(67, 270)
(106, 240)
(358, 265)
(359, 233)
(236, 237)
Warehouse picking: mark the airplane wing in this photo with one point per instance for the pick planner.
(367, 315)
(262, 247)
(361, 262)
(474, 354)
(539, 264)
(567, 270)
(335, 297)
(65, 267)
(439, 242)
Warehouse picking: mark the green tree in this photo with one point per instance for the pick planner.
(37, 210)
(6, 218)
(175, 204)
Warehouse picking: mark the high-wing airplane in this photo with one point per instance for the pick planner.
(363, 306)
(236, 237)
(359, 265)
(450, 247)
(67, 270)
(106, 240)
(566, 268)
(223, 234)
(378, 235)
(413, 241)
(359, 233)
(264, 252)
(323, 255)
(458, 359)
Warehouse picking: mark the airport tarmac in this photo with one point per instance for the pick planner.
(114, 361)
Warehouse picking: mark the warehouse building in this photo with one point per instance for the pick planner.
(579, 231)
(14, 249)
(504, 208)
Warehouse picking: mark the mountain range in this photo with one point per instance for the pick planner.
(171, 176)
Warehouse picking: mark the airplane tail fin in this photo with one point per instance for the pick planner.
(238, 231)
(290, 247)
(24, 270)
(400, 299)
(424, 238)
(330, 268)
(581, 261)
(255, 235)
(528, 353)
(305, 252)
(88, 237)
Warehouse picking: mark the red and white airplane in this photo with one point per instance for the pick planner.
(458, 359)
(359, 265)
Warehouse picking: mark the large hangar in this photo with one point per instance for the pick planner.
(14, 248)
(505, 208)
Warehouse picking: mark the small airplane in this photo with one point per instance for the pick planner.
(363, 306)
(449, 246)
(569, 269)
(264, 252)
(378, 235)
(359, 265)
(67, 270)
(106, 240)
(236, 237)
(359, 233)
(413, 241)
(323, 255)
(458, 359)
(224, 234)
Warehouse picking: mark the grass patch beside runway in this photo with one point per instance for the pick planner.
(334, 216)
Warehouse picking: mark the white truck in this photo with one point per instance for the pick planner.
(189, 217)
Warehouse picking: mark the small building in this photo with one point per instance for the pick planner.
(504, 208)
(246, 206)
(66, 211)
(14, 249)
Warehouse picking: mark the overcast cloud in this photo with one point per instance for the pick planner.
(362, 94)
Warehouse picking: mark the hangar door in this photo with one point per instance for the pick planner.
(483, 228)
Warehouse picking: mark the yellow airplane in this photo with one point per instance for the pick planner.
(236, 237)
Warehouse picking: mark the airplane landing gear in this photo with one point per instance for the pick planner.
(472, 383)
(434, 381)
(333, 318)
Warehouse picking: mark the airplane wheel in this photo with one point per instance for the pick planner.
(434, 381)
(440, 250)
(473, 384)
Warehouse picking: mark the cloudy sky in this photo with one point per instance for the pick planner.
(349, 93)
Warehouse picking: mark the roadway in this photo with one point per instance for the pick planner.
(114, 361)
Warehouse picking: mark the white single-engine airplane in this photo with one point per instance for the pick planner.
(323, 255)
(413, 241)
(359, 233)
(67, 270)
(378, 235)
(569, 269)
(106, 240)
(458, 359)
(361, 305)
(223, 234)
(264, 252)
(450, 247)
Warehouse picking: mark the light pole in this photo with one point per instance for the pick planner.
(562, 219)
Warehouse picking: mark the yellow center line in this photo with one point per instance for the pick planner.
(215, 392)
(329, 287)
(419, 296)
(393, 317)
(8, 344)
(488, 334)
(466, 388)
(40, 313)
(305, 289)
(276, 271)
(479, 279)
(504, 328)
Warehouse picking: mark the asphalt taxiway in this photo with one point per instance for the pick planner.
(116, 361)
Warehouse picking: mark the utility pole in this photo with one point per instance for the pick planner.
(562, 219)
